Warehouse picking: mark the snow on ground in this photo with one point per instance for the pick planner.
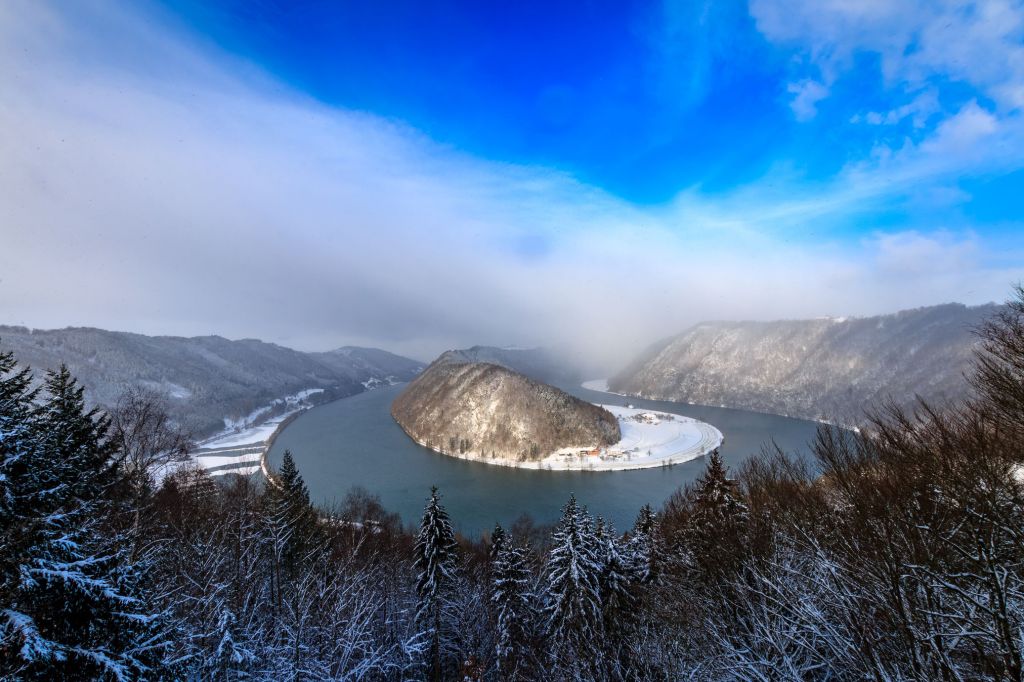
(649, 439)
(374, 382)
(596, 385)
(239, 448)
(242, 471)
(248, 435)
(221, 458)
(250, 430)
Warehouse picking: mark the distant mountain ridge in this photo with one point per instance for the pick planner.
(829, 369)
(481, 410)
(207, 379)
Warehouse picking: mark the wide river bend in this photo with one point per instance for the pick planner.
(355, 442)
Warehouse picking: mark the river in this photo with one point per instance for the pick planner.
(355, 442)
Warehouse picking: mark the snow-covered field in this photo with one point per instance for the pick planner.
(649, 439)
(251, 429)
(238, 449)
(248, 435)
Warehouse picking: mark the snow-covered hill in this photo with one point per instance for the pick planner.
(830, 369)
(210, 382)
(481, 410)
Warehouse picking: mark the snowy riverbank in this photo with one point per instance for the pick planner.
(240, 447)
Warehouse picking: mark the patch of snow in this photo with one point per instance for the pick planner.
(374, 382)
(247, 436)
(242, 471)
(596, 385)
(211, 461)
(251, 429)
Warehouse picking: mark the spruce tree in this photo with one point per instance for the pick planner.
(291, 519)
(511, 601)
(644, 549)
(573, 610)
(616, 581)
(16, 407)
(69, 613)
(713, 532)
(436, 556)
(497, 542)
(18, 632)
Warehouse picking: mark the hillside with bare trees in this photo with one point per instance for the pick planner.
(480, 410)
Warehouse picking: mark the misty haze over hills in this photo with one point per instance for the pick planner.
(831, 369)
(206, 379)
(542, 364)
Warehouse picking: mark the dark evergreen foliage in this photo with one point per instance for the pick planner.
(69, 611)
(436, 557)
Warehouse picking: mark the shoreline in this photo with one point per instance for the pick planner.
(269, 443)
(596, 383)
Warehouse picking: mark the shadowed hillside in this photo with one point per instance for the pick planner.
(817, 369)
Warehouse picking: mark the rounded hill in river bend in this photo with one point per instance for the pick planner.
(483, 411)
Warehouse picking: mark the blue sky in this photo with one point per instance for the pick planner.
(638, 99)
(422, 176)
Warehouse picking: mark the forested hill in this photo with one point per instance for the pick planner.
(206, 379)
(481, 410)
(818, 369)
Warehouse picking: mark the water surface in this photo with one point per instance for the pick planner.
(354, 441)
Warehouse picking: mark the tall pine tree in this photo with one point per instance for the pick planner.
(510, 599)
(291, 523)
(617, 582)
(498, 536)
(714, 531)
(573, 601)
(644, 549)
(18, 633)
(436, 558)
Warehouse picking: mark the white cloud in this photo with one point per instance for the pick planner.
(806, 95)
(154, 184)
(980, 43)
(925, 48)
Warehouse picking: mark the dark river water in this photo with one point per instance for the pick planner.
(355, 442)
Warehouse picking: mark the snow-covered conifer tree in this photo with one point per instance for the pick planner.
(573, 601)
(498, 536)
(643, 550)
(18, 632)
(436, 554)
(719, 514)
(510, 598)
(291, 523)
(68, 613)
(616, 582)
